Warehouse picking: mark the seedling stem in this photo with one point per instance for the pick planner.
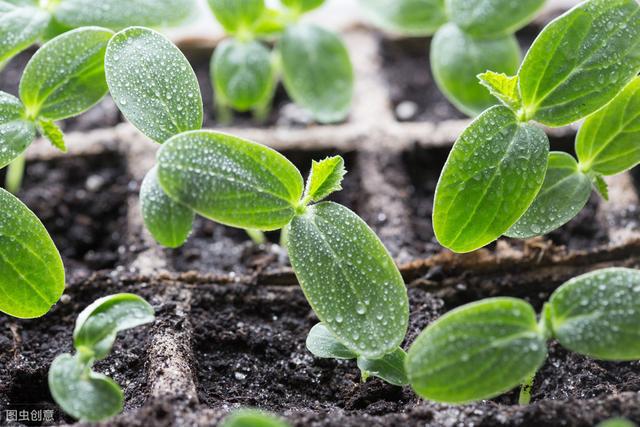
(15, 173)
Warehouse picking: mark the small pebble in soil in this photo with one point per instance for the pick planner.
(239, 376)
(406, 110)
(94, 183)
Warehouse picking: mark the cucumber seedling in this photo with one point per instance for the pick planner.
(499, 177)
(253, 418)
(314, 63)
(82, 393)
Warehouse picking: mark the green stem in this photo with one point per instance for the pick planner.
(257, 236)
(224, 114)
(525, 391)
(284, 237)
(15, 172)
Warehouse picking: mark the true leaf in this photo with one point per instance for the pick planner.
(230, 180)
(457, 59)
(411, 17)
(53, 133)
(597, 314)
(20, 27)
(503, 87)
(66, 76)
(116, 15)
(317, 71)
(601, 186)
(322, 343)
(390, 367)
(98, 324)
(490, 18)
(580, 61)
(242, 73)
(302, 5)
(325, 178)
(607, 142)
(564, 193)
(82, 393)
(167, 220)
(153, 84)
(349, 279)
(252, 418)
(492, 175)
(477, 351)
(237, 15)
(16, 132)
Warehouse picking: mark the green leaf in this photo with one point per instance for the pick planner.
(20, 27)
(252, 418)
(564, 193)
(99, 323)
(409, 17)
(31, 270)
(493, 173)
(389, 368)
(616, 422)
(237, 16)
(317, 71)
(490, 18)
(457, 59)
(607, 142)
(597, 314)
(53, 133)
(16, 133)
(349, 279)
(503, 87)
(116, 15)
(153, 84)
(242, 74)
(477, 351)
(325, 178)
(302, 5)
(581, 61)
(230, 180)
(168, 221)
(66, 76)
(323, 344)
(601, 186)
(81, 393)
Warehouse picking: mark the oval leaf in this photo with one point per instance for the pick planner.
(607, 142)
(564, 193)
(410, 17)
(252, 418)
(492, 176)
(597, 314)
(477, 351)
(16, 133)
(490, 18)
(87, 396)
(66, 76)
(237, 15)
(98, 324)
(317, 71)
(349, 279)
(242, 74)
(581, 61)
(168, 221)
(230, 180)
(457, 59)
(322, 343)
(20, 27)
(390, 367)
(153, 84)
(31, 270)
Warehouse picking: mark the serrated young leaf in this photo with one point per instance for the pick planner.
(325, 178)
(503, 87)
(237, 16)
(253, 418)
(457, 59)
(230, 180)
(98, 324)
(242, 74)
(65, 77)
(317, 71)
(493, 173)
(580, 61)
(31, 270)
(303, 6)
(16, 133)
(607, 142)
(564, 193)
(390, 367)
(491, 18)
(408, 17)
(322, 343)
(82, 393)
(597, 314)
(477, 351)
(168, 221)
(153, 84)
(115, 15)
(20, 27)
(349, 279)
(52, 132)
(601, 186)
